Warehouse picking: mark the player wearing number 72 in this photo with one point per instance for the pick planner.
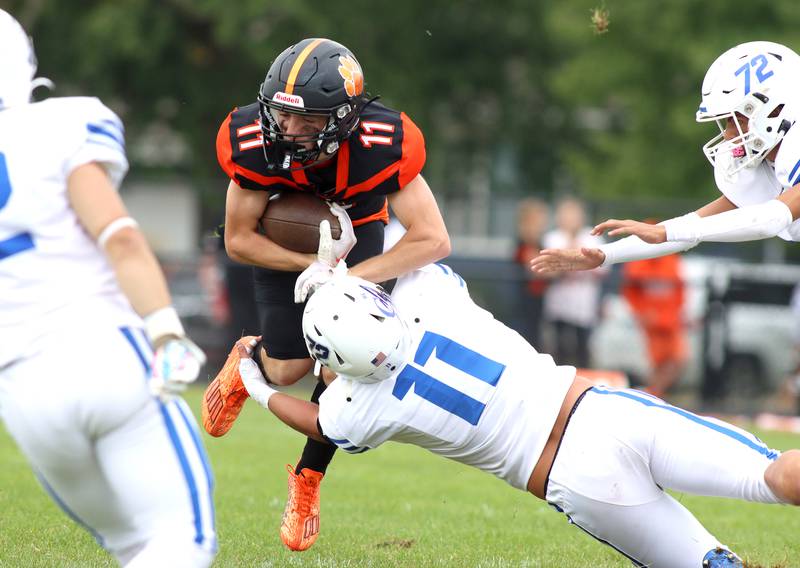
(427, 366)
(752, 91)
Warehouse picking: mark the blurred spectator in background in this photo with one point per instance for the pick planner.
(532, 220)
(654, 289)
(571, 302)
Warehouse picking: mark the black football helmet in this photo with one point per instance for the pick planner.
(316, 76)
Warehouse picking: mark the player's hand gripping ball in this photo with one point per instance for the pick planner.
(291, 220)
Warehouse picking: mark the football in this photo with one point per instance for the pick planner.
(291, 220)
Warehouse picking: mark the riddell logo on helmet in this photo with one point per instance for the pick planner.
(287, 99)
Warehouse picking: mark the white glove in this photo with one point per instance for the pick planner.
(176, 364)
(331, 251)
(317, 274)
(253, 380)
(177, 361)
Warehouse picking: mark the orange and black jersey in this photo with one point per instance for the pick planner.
(382, 155)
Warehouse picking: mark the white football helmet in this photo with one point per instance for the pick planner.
(17, 63)
(352, 327)
(757, 80)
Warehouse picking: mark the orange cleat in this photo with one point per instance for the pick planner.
(225, 396)
(300, 524)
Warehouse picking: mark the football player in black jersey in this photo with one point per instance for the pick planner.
(313, 129)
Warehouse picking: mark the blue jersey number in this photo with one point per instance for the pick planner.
(759, 63)
(436, 392)
(19, 242)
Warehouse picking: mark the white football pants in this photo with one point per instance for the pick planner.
(128, 468)
(622, 448)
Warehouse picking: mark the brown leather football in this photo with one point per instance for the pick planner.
(292, 220)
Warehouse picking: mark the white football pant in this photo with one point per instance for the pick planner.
(622, 448)
(128, 468)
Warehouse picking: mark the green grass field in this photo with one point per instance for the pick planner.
(396, 506)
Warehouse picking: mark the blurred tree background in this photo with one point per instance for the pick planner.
(526, 96)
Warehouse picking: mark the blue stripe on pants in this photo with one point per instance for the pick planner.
(70, 513)
(657, 403)
(180, 452)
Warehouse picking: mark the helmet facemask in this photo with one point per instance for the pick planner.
(316, 77)
(290, 152)
(765, 129)
(756, 81)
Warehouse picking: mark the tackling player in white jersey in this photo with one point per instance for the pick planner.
(753, 92)
(426, 366)
(84, 303)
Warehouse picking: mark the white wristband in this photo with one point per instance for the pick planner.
(682, 228)
(254, 382)
(113, 227)
(164, 321)
(633, 248)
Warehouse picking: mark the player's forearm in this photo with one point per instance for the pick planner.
(138, 271)
(248, 247)
(295, 413)
(299, 415)
(750, 223)
(633, 248)
(408, 254)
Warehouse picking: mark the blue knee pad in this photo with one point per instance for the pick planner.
(721, 558)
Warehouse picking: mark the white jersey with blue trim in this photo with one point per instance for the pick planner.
(49, 265)
(475, 391)
(766, 181)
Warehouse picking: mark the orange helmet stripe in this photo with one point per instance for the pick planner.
(298, 63)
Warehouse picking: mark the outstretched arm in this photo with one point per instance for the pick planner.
(750, 223)
(645, 241)
(100, 210)
(298, 414)
(553, 261)
(99, 207)
(424, 242)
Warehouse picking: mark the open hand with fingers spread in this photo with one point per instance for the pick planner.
(551, 261)
(649, 233)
